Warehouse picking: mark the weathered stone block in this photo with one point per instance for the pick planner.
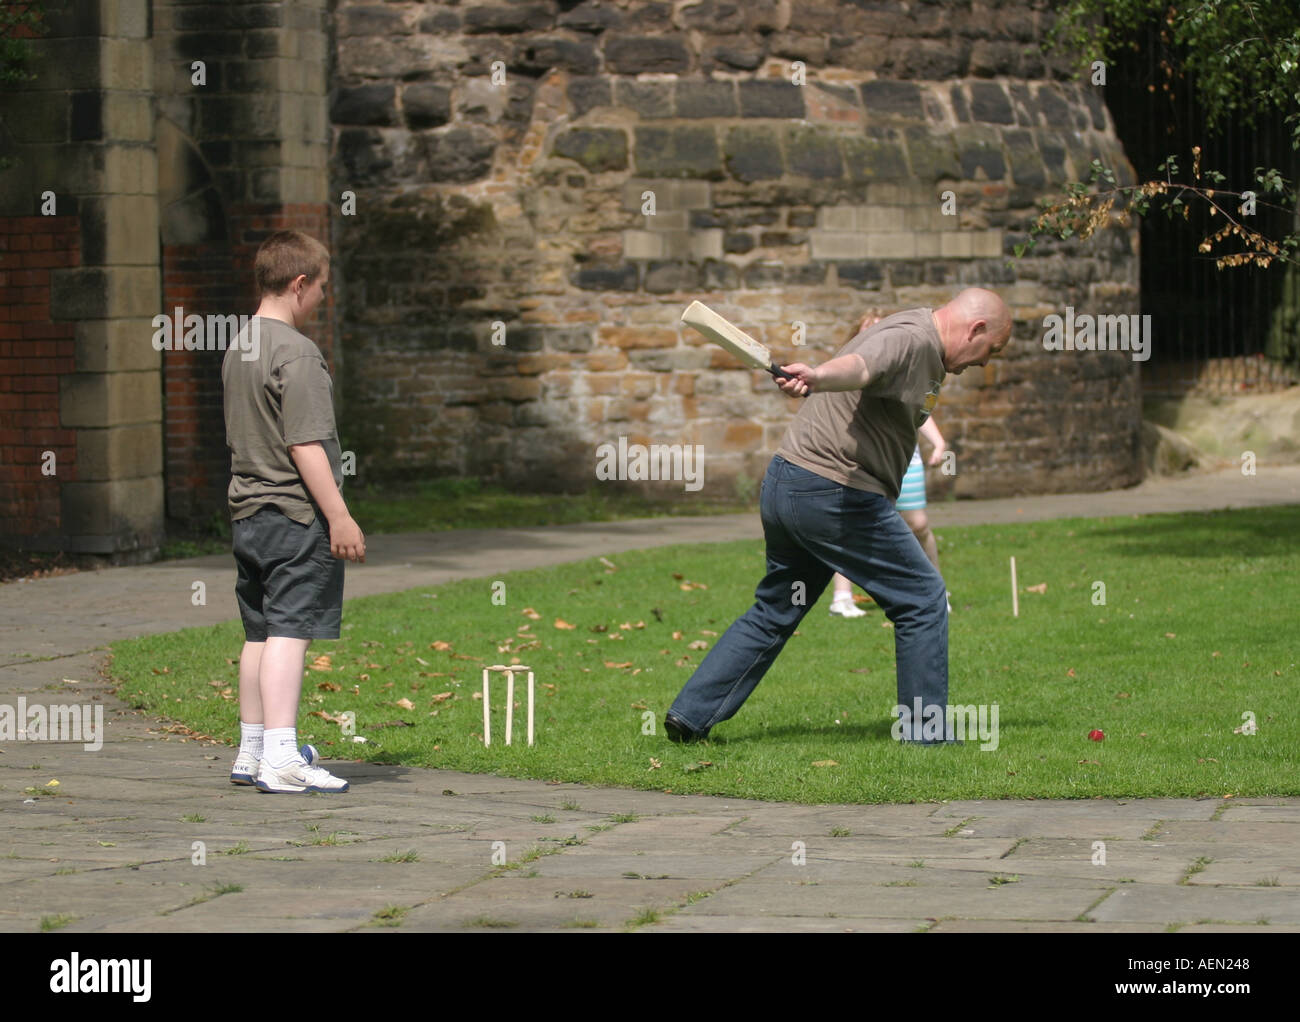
(627, 337)
(668, 194)
(101, 400)
(720, 276)
(104, 292)
(733, 55)
(538, 54)
(980, 152)
(886, 98)
(647, 99)
(364, 104)
(989, 102)
(1026, 163)
(426, 105)
(121, 452)
(905, 274)
(929, 59)
(119, 230)
(771, 99)
(686, 151)
(606, 278)
(508, 18)
(927, 244)
(873, 159)
(891, 245)
(459, 154)
(863, 276)
(986, 244)
(596, 149)
(956, 245)
(933, 157)
(706, 99)
(813, 153)
(753, 154)
(837, 244)
(587, 93)
(737, 243)
(643, 245)
(634, 55)
(806, 275)
(108, 517)
(666, 277)
(761, 275)
(960, 108)
(1052, 107)
(591, 16)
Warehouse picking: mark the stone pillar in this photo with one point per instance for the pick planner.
(243, 143)
(81, 427)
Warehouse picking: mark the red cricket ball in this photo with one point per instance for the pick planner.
(1096, 736)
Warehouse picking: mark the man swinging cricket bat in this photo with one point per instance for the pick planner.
(827, 504)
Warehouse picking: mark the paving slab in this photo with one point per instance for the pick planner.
(113, 848)
(1191, 904)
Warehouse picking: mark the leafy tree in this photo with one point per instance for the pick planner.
(1242, 59)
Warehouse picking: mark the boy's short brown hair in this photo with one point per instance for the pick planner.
(286, 255)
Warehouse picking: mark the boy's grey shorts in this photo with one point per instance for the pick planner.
(289, 583)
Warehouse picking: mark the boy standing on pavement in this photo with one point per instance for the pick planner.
(290, 527)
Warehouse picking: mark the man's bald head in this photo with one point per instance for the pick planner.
(974, 326)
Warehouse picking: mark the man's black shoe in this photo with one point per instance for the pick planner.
(679, 732)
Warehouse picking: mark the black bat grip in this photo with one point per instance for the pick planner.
(776, 371)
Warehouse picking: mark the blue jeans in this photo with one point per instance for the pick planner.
(813, 528)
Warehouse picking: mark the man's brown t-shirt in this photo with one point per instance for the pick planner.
(283, 397)
(865, 438)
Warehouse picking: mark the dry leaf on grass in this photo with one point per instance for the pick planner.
(1040, 588)
(405, 704)
(561, 623)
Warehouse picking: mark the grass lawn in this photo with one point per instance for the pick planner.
(436, 505)
(1199, 627)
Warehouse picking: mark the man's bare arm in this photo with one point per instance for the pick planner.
(346, 538)
(848, 372)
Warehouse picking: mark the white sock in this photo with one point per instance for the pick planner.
(250, 739)
(842, 598)
(281, 747)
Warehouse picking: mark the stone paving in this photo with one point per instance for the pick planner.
(116, 848)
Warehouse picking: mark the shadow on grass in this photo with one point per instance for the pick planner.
(1207, 534)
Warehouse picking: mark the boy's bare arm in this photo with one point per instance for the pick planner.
(346, 539)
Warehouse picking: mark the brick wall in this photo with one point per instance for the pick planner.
(34, 351)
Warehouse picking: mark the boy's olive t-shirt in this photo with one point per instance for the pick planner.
(865, 438)
(283, 397)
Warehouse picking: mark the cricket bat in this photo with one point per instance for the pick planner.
(726, 335)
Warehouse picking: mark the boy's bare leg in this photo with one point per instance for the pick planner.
(250, 692)
(280, 674)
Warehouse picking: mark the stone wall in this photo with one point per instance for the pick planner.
(79, 268)
(511, 297)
